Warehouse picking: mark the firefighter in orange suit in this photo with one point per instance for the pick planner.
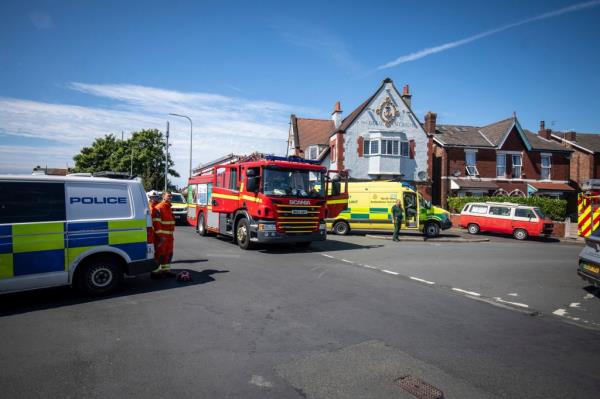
(164, 236)
(154, 200)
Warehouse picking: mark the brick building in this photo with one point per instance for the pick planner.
(585, 160)
(381, 139)
(497, 159)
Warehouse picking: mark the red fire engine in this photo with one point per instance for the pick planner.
(267, 200)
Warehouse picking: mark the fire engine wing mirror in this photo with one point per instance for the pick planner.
(252, 183)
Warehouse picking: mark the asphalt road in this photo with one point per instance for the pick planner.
(287, 323)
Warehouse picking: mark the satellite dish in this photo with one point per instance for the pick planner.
(422, 175)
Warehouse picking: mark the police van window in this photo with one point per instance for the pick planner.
(92, 201)
(32, 202)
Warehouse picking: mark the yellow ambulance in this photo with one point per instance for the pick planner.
(370, 204)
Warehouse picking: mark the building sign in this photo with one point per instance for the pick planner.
(387, 111)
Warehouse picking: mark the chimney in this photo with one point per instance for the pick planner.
(571, 135)
(430, 122)
(406, 96)
(543, 132)
(336, 115)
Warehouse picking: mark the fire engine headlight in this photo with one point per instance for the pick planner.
(322, 226)
(266, 227)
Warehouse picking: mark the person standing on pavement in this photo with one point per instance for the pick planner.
(154, 200)
(164, 236)
(397, 216)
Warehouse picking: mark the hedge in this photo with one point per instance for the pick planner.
(555, 209)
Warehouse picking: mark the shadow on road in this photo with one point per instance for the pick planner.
(50, 298)
(593, 290)
(188, 261)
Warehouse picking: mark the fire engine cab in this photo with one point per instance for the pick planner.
(267, 199)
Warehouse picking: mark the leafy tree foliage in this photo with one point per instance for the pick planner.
(143, 153)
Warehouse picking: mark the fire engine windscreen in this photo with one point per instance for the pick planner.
(298, 183)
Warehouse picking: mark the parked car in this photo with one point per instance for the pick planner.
(505, 218)
(589, 260)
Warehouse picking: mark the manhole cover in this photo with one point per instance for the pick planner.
(419, 388)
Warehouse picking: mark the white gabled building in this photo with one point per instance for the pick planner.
(381, 139)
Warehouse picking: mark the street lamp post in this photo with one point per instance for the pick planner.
(191, 132)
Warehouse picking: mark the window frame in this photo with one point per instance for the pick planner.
(53, 210)
(503, 175)
(515, 166)
(547, 168)
(471, 169)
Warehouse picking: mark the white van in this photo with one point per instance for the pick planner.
(69, 230)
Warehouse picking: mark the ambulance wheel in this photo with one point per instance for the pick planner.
(520, 234)
(472, 228)
(242, 234)
(341, 228)
(431, 230)
(200, 227)
(99, 275)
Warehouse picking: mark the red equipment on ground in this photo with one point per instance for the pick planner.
(267, 199)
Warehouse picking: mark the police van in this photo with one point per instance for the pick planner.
(70, 230)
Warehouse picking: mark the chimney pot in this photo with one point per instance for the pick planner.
(336, 115)
(406, 96)
(405, 90)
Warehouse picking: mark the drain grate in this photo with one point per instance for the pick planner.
(418, 388)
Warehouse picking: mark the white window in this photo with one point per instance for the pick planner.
(501, 165)
(546, 166)
(404, 149)
(313, 152)
(517, 165)
(374, 147)
(389, 147)
(471, 160)
(366, 147)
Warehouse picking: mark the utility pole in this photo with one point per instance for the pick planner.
(167, 158)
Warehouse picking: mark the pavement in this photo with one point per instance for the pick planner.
(281, 322)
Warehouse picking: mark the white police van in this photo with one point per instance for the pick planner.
(70, 230)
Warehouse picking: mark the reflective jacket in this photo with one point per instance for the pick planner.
(166, 223)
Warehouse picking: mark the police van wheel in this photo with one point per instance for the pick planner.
(99, 276)
(520, 234)
(431, 230)
(200, 226)
(341, 228)
(472, 228)
(242, 234)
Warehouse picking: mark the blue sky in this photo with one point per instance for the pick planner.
(75, 70)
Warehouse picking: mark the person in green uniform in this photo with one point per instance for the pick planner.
(397, 216)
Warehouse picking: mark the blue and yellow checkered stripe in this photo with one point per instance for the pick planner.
(50, 247)
(356, 213)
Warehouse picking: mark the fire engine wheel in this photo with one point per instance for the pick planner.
(341, 228)
(99, 276)
(472, 228)
(200, 227)
(520, 234)
(242, 234)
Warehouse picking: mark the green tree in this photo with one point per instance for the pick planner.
(146, 148)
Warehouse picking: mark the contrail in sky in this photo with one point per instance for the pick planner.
(447, 46)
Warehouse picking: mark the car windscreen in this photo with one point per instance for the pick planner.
(178, 198)
(540, 213)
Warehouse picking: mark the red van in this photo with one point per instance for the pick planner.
(506, 218)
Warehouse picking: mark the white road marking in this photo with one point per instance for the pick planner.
(390, 272)
(327, 256)
(513, 294)
(260, 382)
(512, 303)
(466, 292)
(588, 296)
(321, 274)
(574, 305)
(346, 260)
(369, 267)
(560, 312)
(421, 280)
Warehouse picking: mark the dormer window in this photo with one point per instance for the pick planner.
(313, 152)
(471, 162)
